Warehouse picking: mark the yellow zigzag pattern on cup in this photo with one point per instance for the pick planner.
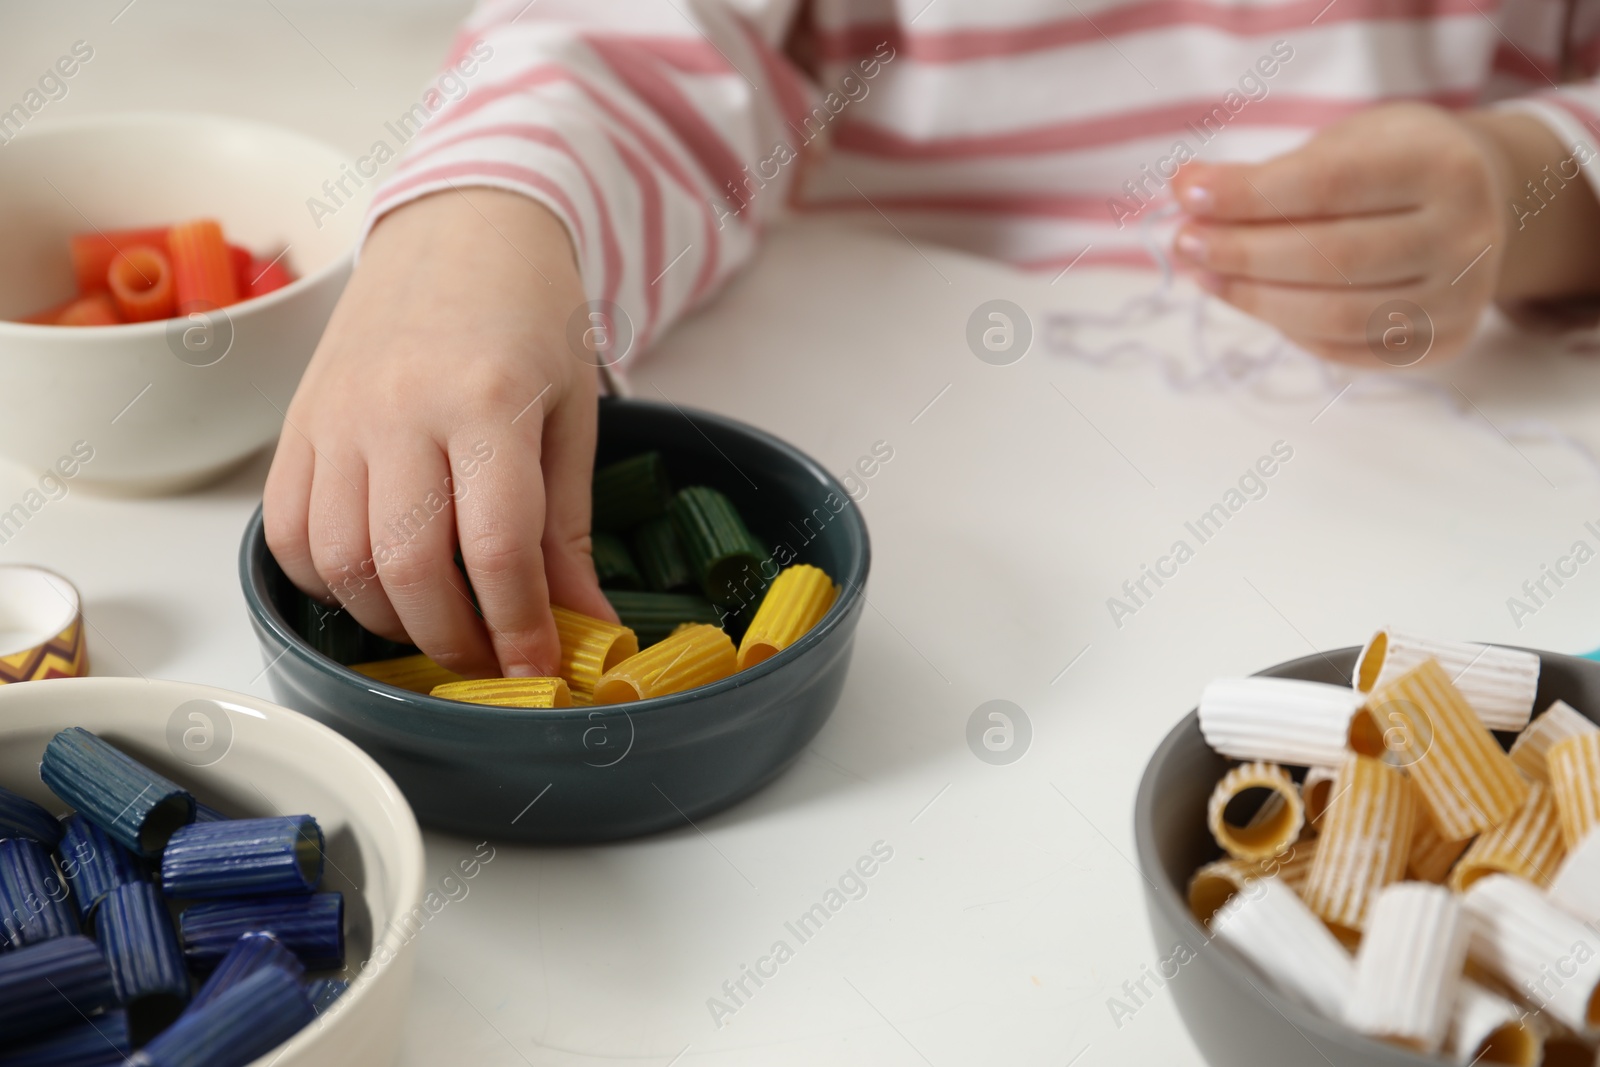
(64, 656)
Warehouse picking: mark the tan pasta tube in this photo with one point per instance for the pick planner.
(697, 656)
(1498, 683)
(1575, 780)
(1520, 936)
(1487, 1028)
(1280, 720)
(1432, 856)
(1576, 886)
(1256, 838)
(795, 602)
(1532, 746)
(417, 673)
(1218, 882)
(1409, 965)
(1365, 840)
(1315, 792)
(589, 648)
(508, 692)
(1271, 927)
(1527, 845)
(1462, 774)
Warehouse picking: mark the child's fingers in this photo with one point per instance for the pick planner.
(1360, 250)
(1306, 312)
(569, 436)
(286, 510)
(337, 523)
(414, 540)
(1327, 177)
(501, 521)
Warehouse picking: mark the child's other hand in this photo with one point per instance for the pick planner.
(443, 408)
(1401, 202)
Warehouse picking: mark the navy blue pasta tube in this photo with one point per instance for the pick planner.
(312, 927)
(21, 817)
(135, 932)
(132, 803)
(94, 863)
(246, 1022)
(50, 985)
(102, 1041)
(35, 903)
(322, 993)
(243, 858)
(247, 956)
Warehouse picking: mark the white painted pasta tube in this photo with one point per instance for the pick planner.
(1280, 720)
(1527, 845)
(1281, 815)
(1547, 955)
(1575, 780)
(1532, 746)
(1271, 927)
(1409, 966)
(1218, 882)
(1576, 886)
(1499, 683)
(1487, 1028)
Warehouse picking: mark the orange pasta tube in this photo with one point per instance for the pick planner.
(589, 648)
(1462, 774)
(141, 284)
(796, 601)
(93, 253)
(697, 656)
(1276, 822)
(202, 267)
(1431, 855)
(508, 692)
(1527, 845)
(94, 310)
(1365, 841)
(1574, 766)
(417, 673)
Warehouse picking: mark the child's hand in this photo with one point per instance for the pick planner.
(445, 373)
(1402, 202)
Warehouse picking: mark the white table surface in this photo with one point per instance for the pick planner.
(1013, 508)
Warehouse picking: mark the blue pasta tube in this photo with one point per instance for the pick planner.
(247, 956)
(322, 993)
(21, 817)
(35, 904)
(243, 858)
(94, 863)
(50, 985)
(241, 1025)
(102, 1041)
(312, 927)
(135, 932)
(132, 803)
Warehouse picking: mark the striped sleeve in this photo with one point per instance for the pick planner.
(1572, 113)
(649, 129)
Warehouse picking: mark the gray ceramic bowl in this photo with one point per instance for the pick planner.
(595, 774)
(1235, 1020)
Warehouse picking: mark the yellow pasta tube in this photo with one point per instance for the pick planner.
(1432, 856)
(795, 602)
(1281, 813)
(697, 656)
(1527, 845)
(1575, 780)
(1216, 883)
(1488, 1028)
(417, 673)
(1462, 774)
(509, 692)
(1532, 746)
(590, 647)
(1365, 841)
(1315, 792)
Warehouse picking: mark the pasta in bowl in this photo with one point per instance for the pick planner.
(1383, 856)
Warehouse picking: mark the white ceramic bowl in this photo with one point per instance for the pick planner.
(62, 385)
(252, 758)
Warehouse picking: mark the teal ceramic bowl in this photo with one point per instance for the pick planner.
(595, 774)
(1232, 1015)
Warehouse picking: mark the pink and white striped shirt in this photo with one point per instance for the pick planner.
(666, 133)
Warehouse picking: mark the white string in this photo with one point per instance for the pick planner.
(1212, 367)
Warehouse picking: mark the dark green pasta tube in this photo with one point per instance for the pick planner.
(652, 616)
(612, 563)
(628, 492)
(722, 552)
(661, 558)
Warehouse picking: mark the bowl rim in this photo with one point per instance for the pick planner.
(851, 593)
(410, 859)
(12, 329)
(1175, 905)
